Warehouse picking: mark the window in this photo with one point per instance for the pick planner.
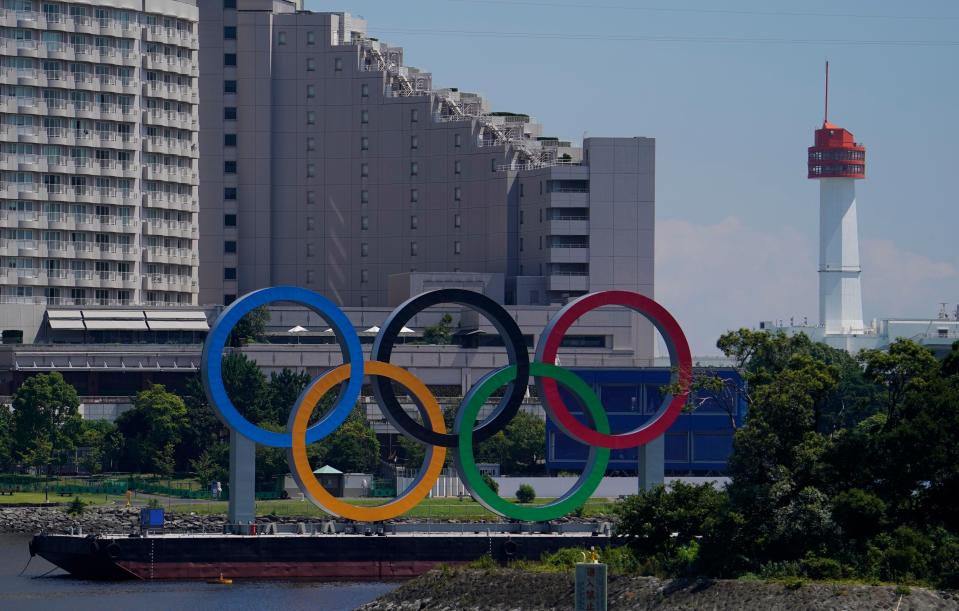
(414, 169)
(229, 167)
(364, 196)
(309, 276)
(364, 170)
(364, 143)
(229, 113)
(414, 195)
(311, 170)
(414, 115)
(229, 193)
(457, 221)
(522, 190)
(229, 247)
(229, 32)
(458, 193)
(364, 276)
(310, 198)
(311, 91)
(309, 249)
(228, 299)
(229, 139)
(311, 143)
(364, 301)
(364, 249)
(338, 64)
(521, 244)
(310, 64)
(229, 59)
(364, 117)
(413, 249)
(229, 273)
(310, 223)
(414, 222)
(365, 90)
(229, 4)
(311, 38)
(457, 247)
(364, 223)
(414, 142)
(281, 38)
(521, 216)
(229, 86)
(492, 165)
(229, 220)
(311, 117)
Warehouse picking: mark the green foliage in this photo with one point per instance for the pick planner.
(46, 410)
(152, 430)
(441, 333)
(6, 437)
(490, 483)
(208, 467)
(525, 493)
(859, 514)
(663, 524)
(353, 447)
(282, 391)
(519, 449)
(76, 507)
(153, 504)
(251, 328)
(101, 443)
(246, 386)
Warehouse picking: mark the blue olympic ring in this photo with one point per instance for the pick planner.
(212, 372)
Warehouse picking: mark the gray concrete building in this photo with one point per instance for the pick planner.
(98, 170)
(329, 164)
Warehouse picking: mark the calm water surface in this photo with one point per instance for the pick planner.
(60, 591)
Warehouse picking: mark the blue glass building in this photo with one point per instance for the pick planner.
(698, 443)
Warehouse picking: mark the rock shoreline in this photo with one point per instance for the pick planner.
(95, 520)
(509, 590)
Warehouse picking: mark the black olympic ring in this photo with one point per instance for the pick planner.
(515, 349)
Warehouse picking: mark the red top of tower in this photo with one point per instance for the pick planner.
(836, 153)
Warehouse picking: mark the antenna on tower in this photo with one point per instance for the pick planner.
(825, 117)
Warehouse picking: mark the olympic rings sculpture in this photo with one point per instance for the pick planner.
(548, 377)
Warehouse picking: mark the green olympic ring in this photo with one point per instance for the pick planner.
(465, 461)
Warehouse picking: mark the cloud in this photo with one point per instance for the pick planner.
(728, 275)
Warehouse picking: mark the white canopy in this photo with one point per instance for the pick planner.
(297, 329)
(373, 329)
(407, 331)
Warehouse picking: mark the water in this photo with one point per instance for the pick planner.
(60, 591)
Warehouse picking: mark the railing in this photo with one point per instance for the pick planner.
(169, 251)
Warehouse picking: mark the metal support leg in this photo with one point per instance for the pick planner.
(242, 479)
(652, 462)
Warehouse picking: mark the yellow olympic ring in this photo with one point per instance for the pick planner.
(300, 463)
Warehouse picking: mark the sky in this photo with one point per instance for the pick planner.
(732, 92)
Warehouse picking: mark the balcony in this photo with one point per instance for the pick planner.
(164, 254)
(168, 282)
(568, 226)
(566, 254)
(567, 283)
(163, 227)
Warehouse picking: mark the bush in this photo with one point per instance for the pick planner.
(76, 507)
(490, 483)
(821, 568)
(525, 494)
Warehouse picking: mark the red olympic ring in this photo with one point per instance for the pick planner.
(680, 359)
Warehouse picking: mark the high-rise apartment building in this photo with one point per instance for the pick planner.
(98, 129)
(329, 164)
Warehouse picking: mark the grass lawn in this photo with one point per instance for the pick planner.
(39, 497)
(434, 509)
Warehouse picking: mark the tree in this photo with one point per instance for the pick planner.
(6, 437)
(282, 391)
(441, 333)
(519, 449)
(246, 386)
(46, 407)
(905, 367)
(208, 468)
(251, 328)
(101, 443)
(656, 523)
(153, 429)
(203, 432)
(950, 365)
(353, 447)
